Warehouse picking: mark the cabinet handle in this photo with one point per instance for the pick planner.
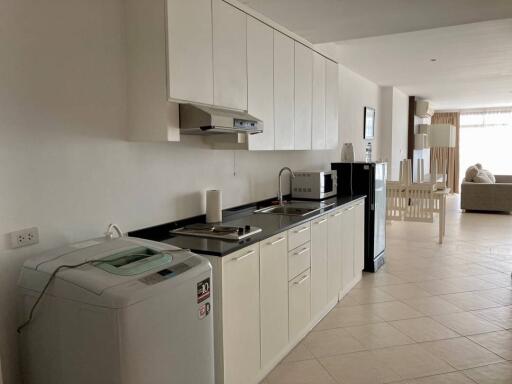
(301, 230)
(303, 279)
(277, 241)
(239, 258)
(351, 208)
(301, 251)
(320, 222)
(337, 214)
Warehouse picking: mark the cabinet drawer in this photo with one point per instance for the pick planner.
(299, 235)
(299, 260)
(300, 304)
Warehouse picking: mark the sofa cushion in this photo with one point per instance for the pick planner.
(489, 175)
(471, 173)
(482, 178)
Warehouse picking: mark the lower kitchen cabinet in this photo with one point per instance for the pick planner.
(359, 237)
(347, 249)
(299, 292)
(241, 315)
(273, 297)
(318, 266)
(334, 245)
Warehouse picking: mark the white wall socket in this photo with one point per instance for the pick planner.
(24, 237)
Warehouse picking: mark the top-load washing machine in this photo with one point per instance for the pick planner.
(121, 311)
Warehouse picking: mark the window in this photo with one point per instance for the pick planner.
(486, 138)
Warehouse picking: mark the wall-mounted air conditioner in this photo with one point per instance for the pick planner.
(423, 108)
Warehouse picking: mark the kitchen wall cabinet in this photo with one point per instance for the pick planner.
(190, 50)
(229, 56)
(347, 248)
(284, 94)
(318, 266)
(334, 246)
(241, 315)
(273, 297)
(331, 105)
(318, 102)
(260, 78)
(300, 304)
(303, 96)
(359, 213)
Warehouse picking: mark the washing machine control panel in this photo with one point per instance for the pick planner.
(165, 274)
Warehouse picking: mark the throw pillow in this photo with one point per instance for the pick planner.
(489, 175)
(482, 178)
(471, 173)
(479, 166)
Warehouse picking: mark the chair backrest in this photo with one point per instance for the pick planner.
(420, 203)
(395, 200)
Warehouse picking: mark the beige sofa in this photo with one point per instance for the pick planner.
(487, 197)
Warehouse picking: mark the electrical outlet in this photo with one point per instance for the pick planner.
(24, 237)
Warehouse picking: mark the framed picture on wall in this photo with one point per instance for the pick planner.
(369, 123)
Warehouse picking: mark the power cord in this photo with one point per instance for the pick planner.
(91, 262)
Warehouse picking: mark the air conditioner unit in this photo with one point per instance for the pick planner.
(423, 108)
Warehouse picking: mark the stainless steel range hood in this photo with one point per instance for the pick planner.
(203, 120)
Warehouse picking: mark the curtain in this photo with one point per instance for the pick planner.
(448, 156)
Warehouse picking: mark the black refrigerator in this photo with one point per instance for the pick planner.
(368, 179)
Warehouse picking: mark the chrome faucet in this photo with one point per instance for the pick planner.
(280, 191)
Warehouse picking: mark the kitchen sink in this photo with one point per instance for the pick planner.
(294, 208)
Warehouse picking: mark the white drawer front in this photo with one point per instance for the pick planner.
(299, 260)
(299, 235)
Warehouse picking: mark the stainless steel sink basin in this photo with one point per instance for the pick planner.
(294, 208)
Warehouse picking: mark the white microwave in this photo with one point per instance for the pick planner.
(314, 185)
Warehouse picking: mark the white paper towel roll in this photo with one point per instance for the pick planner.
(213, 206)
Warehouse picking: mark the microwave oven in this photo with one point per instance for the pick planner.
(314, 185)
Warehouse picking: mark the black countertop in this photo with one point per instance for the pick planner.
(238, 217)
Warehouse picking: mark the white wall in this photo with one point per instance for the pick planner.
(358, 92)
(395, 111)
(66, 166)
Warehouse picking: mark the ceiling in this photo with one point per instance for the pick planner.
(322, 21)
(473, 67)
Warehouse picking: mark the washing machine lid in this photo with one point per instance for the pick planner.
(109, 263)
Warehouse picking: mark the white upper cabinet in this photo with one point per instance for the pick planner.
(284, 95)
(229, 56)
(260, 78)
(303, 95)
(318, 126)
(190, 50)
(331, 104)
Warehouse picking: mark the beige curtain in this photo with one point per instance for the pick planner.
(448, 155)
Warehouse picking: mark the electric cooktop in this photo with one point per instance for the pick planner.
(222, 232)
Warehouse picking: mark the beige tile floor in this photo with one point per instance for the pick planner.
(434, 314)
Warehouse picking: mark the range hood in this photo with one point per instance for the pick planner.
(203, 120)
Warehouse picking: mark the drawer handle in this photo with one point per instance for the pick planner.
(301, 252)
(303, 279)
(320, 222)
(337, 214)
(301, 230)
(277, 241)
(351, 208)
(239, 258)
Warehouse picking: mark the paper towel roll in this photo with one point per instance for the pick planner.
(214, 206)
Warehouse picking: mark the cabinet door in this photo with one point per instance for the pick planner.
(318, 266)
(260, 77)
(241, 315)
(300, 304)
(318, 126)
(359, 237)
(303, 96)
(334, 255)
(190, 50)
(284, 80)
(331, 104)
(229, 56)
(273, 297)
(347, 246)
